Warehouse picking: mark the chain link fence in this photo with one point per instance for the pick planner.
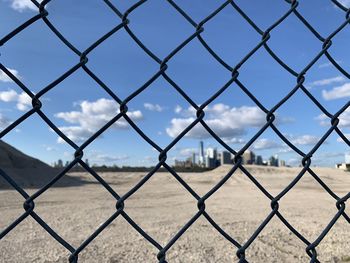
(234, 71)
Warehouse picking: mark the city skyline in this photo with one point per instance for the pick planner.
(211, 158)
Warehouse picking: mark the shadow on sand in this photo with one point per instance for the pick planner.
(37, 178)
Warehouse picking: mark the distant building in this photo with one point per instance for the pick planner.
(59, 164)
(193, 158)
(189, 163)
(273, 161)
(184, 164)
(346, 165)
(343, 166)
(225, 157)
(201, 161)
(282, 163)
(248, 157)
(259, 160)
(211, 159)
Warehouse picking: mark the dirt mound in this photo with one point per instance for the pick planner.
(27, 171)
(11, 158)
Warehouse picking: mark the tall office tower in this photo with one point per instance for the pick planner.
(276, 160)
(201, 161)
(282, 163)
(211, 158)
(248, 157)
(259, 160)
(225, 157)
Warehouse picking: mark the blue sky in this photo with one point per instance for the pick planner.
(79, 107)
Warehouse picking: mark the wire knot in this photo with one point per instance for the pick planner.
(311, 251)
(306, 161)
(36, 103)
(161, 256)
(341, 204)
(301, 78)
(29, 205)
(335, 121)
(83, 58)
(241, 254)
(274, 204)
(73, 258)
(201, 205)
(234, 73)
(120, 205)
(270, 117)
(200, 113)
(162, 157)
(327, 43)
(78, 154)
(238, 159)
(266, 36)
(123, 108)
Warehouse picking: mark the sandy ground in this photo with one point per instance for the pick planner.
(162, 206)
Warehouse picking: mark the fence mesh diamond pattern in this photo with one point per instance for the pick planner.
(233, 71)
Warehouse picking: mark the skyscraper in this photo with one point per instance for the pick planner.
(211, 158)
(248, 157)
(259, 160)
(225, 157)
(201, 160)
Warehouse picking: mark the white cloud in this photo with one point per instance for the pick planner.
(5, 78)
(325, 65)
(285, 149)
(344, 119)
(24, 102)
(49, 148)
(8, 96)
(106, 158)
(227, 122)
(75, 133)
(234, 140)
(23, 5)
(337, 92)
(327, 81)
(264, 144)
(91, 117)
(328, 64)
(178, 109)
(187, 152)
(153, 107)
(347, 136)
(304, 139)
(4, 121)
(189, 112)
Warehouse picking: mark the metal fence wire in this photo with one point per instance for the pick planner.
(234, 71)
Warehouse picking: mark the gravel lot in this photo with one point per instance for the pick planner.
(162, 206)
